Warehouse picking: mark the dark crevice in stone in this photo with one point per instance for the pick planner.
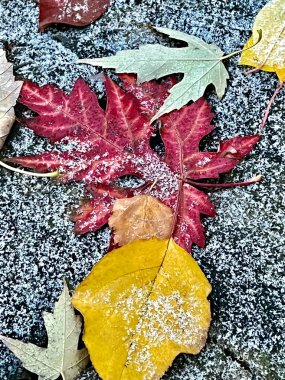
(241, 362)
(232, 355)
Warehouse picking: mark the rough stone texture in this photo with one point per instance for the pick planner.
(244, 258)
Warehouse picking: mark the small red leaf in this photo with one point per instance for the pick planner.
(71, 12)
(102, 146)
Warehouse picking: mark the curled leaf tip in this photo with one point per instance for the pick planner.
(257, 178)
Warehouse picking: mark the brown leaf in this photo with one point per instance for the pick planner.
(140, 217)
(9, 92)
(71, 12)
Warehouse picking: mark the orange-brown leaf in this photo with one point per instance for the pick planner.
(140, 217)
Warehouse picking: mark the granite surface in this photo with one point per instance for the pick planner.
(244, 259)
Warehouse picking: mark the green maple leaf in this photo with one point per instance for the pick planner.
(200, 63)
(61, 358)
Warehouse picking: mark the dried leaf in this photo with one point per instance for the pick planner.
(100, 146)
(61, 358)
(140, 217)
(143, 304)
(9, 92)
(199, 62)
(71, 12)
(269, 53)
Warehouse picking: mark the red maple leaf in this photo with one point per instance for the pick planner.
(102, 146)
(150, 95)
(71, 12)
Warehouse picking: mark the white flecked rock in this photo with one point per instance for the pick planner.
(244, 258)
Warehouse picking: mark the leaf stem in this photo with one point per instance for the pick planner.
(243, 50)
(20, 171)
(259, 67)
(268, 109)
(152, 185)
(253, 180)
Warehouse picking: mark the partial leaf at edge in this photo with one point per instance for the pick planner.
(61, 357)
(269, 53)
(9, 92)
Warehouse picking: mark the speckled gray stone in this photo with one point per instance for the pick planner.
(244, 258)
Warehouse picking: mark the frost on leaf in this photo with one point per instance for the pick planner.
(100, 146)
(140, 217)
(199, 62)
(9, 92)
(269, 53)
(150, 96)
(143, 304)
(71, 12)
(61, 357)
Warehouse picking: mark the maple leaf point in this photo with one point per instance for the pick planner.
(100, 146)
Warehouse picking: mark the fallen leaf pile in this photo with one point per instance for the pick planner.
(200, 63)
(149, 296)
(61, 357)
(145, 302)
(102, 146)
(71, 12)
(9, 92)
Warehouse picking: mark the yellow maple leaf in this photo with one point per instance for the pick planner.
(269, 53)
(140, 217)
(143, 304)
